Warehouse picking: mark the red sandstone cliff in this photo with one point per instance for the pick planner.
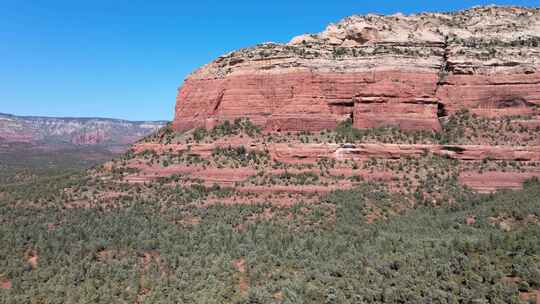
(407, 71)
(414, 72)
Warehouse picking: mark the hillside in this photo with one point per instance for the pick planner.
(159, 243)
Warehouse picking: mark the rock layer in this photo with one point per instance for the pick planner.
(407, 71)
(311, 153)
(491, 181)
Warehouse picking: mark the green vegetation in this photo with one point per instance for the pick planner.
(462, 127)
(346, 133)
(239, 126)
(240, 156)
(161, 245)
(466, 128)
(285, 178)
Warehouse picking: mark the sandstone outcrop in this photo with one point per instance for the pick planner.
(407, 71)
(414, 73)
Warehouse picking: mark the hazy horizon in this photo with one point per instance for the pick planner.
(125, 60)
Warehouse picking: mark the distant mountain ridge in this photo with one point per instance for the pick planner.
(115, 134)
(7, 115)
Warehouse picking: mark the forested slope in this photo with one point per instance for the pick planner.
(479, 249)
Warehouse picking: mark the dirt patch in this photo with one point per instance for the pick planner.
(145, 260)
(151, 256)
(508, 223)
(266, 215)
(240, 265)
(243, 284)
(240, 227)
(278, 296)
(471, 220)
(32, 258)
(5, 284)
(111, 194)
(78, 204)
(190, 221)
(143, 291)
(372, 217)
(107, 255)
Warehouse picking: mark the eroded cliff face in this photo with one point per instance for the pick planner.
(406, 71)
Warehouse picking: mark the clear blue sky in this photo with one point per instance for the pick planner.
(125, 59)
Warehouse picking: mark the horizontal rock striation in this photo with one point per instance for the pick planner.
(491, 181)
(406, 71)
(523, 163)
(311, 153)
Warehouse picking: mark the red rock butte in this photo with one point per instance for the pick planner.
(405, 71)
